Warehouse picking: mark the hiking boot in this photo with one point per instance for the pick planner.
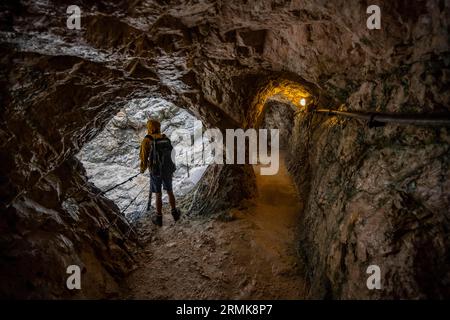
(157, 219)
(176, 214)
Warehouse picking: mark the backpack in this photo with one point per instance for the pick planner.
(160, 158)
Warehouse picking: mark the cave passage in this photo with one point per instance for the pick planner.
(250, 253)
(366, 184)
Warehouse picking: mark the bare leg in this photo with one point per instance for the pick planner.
(171, 199)
(158, 202)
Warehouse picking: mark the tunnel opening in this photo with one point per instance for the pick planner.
(247, 245)
(283, 102)
(285, 88)
(112, 156)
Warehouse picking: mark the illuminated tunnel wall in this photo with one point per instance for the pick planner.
(287, 91)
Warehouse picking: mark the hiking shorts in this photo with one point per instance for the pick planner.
(157, 181)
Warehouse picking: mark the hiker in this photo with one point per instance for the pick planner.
(156, 155)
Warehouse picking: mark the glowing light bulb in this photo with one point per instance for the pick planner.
(303, 102)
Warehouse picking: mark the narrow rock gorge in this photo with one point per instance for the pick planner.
(352, 193)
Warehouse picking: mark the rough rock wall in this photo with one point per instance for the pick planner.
(221, 188)
(280, 116)
(50, 106)
(59, 87)
(57, 224)
(375, 196)
(209, 57)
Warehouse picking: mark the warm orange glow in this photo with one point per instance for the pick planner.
(287, 90)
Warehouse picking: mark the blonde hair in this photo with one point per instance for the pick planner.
(153, 126)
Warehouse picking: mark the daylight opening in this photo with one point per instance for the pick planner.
(113, 155)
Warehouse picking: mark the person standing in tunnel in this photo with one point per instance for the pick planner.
(156, 155)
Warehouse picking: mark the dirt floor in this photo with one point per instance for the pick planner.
(253, 256)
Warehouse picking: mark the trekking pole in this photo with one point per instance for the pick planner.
(118, 185)
(187, 164)
(149, 203)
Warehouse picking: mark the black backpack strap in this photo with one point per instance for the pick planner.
(152, 150)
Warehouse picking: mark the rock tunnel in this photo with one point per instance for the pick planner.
(365, 195)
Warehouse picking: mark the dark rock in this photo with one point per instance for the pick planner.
(372, 196)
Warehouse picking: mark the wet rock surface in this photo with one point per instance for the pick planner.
(373, 195)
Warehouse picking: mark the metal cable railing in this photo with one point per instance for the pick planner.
(123, 217)
(379, 119)
(118, 185)
(120, 216)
